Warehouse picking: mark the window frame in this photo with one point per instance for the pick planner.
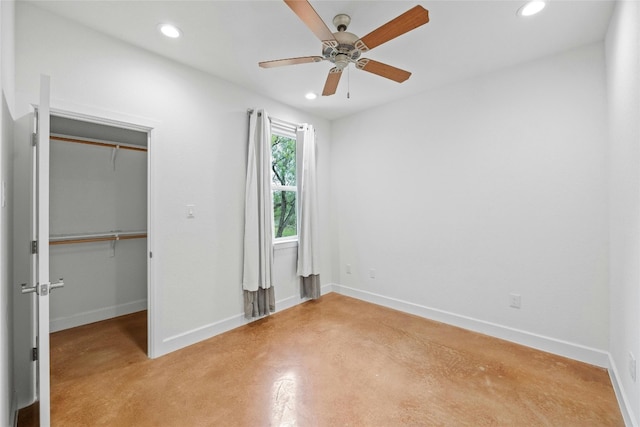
(286, 130)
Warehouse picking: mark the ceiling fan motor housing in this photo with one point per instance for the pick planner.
(345, 51)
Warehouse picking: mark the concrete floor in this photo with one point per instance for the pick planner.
(333, 362)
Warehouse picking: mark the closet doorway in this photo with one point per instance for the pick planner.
(99, 219)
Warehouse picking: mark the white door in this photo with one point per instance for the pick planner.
(41, 286)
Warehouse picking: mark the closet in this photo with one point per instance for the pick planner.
(98, 221)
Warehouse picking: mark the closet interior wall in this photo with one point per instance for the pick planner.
(98, 192)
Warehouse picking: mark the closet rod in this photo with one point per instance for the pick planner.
(100, 144)
(91, 239)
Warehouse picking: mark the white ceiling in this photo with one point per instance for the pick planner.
(229, 38)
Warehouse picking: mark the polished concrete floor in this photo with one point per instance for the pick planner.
(333, 362)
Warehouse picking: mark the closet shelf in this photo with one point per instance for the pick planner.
(96, 237)
(105, 144)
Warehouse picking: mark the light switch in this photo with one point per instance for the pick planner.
(191, 211)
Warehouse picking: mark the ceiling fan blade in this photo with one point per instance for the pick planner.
(290, 61)
(411, 19)
(312, 20)
(383, 70)
(331, 84)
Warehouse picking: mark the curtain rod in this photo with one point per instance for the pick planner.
(278, 121)
(283, 123)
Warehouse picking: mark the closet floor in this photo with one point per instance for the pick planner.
(336, 361)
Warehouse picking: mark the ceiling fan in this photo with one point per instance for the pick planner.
(341, 48)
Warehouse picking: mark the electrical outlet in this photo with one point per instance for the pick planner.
(514, 300)
(632, 367)
(348, 268)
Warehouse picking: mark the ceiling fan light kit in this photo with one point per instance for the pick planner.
(342, 47)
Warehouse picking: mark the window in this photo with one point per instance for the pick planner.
(283, 182)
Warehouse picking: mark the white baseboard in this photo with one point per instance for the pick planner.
(105, 313)
(551, 345)
(194, 336)
(548, 344)
(326, 289)
(13, 408)
(185, 339)
(623, 401)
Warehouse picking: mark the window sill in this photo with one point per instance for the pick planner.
(285, 244)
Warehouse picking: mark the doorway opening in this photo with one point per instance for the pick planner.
(98, 221)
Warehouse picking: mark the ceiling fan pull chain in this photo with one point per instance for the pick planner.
(348, 81)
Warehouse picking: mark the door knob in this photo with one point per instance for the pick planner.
(44, 289)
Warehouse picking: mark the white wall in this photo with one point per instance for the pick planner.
(7, 396)
(198, 158)
(458, 196)
(623, 84)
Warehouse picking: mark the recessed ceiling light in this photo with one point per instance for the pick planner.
(311, 95)
(531, 8)
(170, 30)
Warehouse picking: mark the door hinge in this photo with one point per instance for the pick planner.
(34, 139)
(34, 354)
(34, 246)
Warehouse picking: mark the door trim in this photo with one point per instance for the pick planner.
(110, 118)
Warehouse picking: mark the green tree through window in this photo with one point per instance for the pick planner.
(283, 183)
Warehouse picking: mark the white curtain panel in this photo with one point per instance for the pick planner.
(308, 233)
(259, 298)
